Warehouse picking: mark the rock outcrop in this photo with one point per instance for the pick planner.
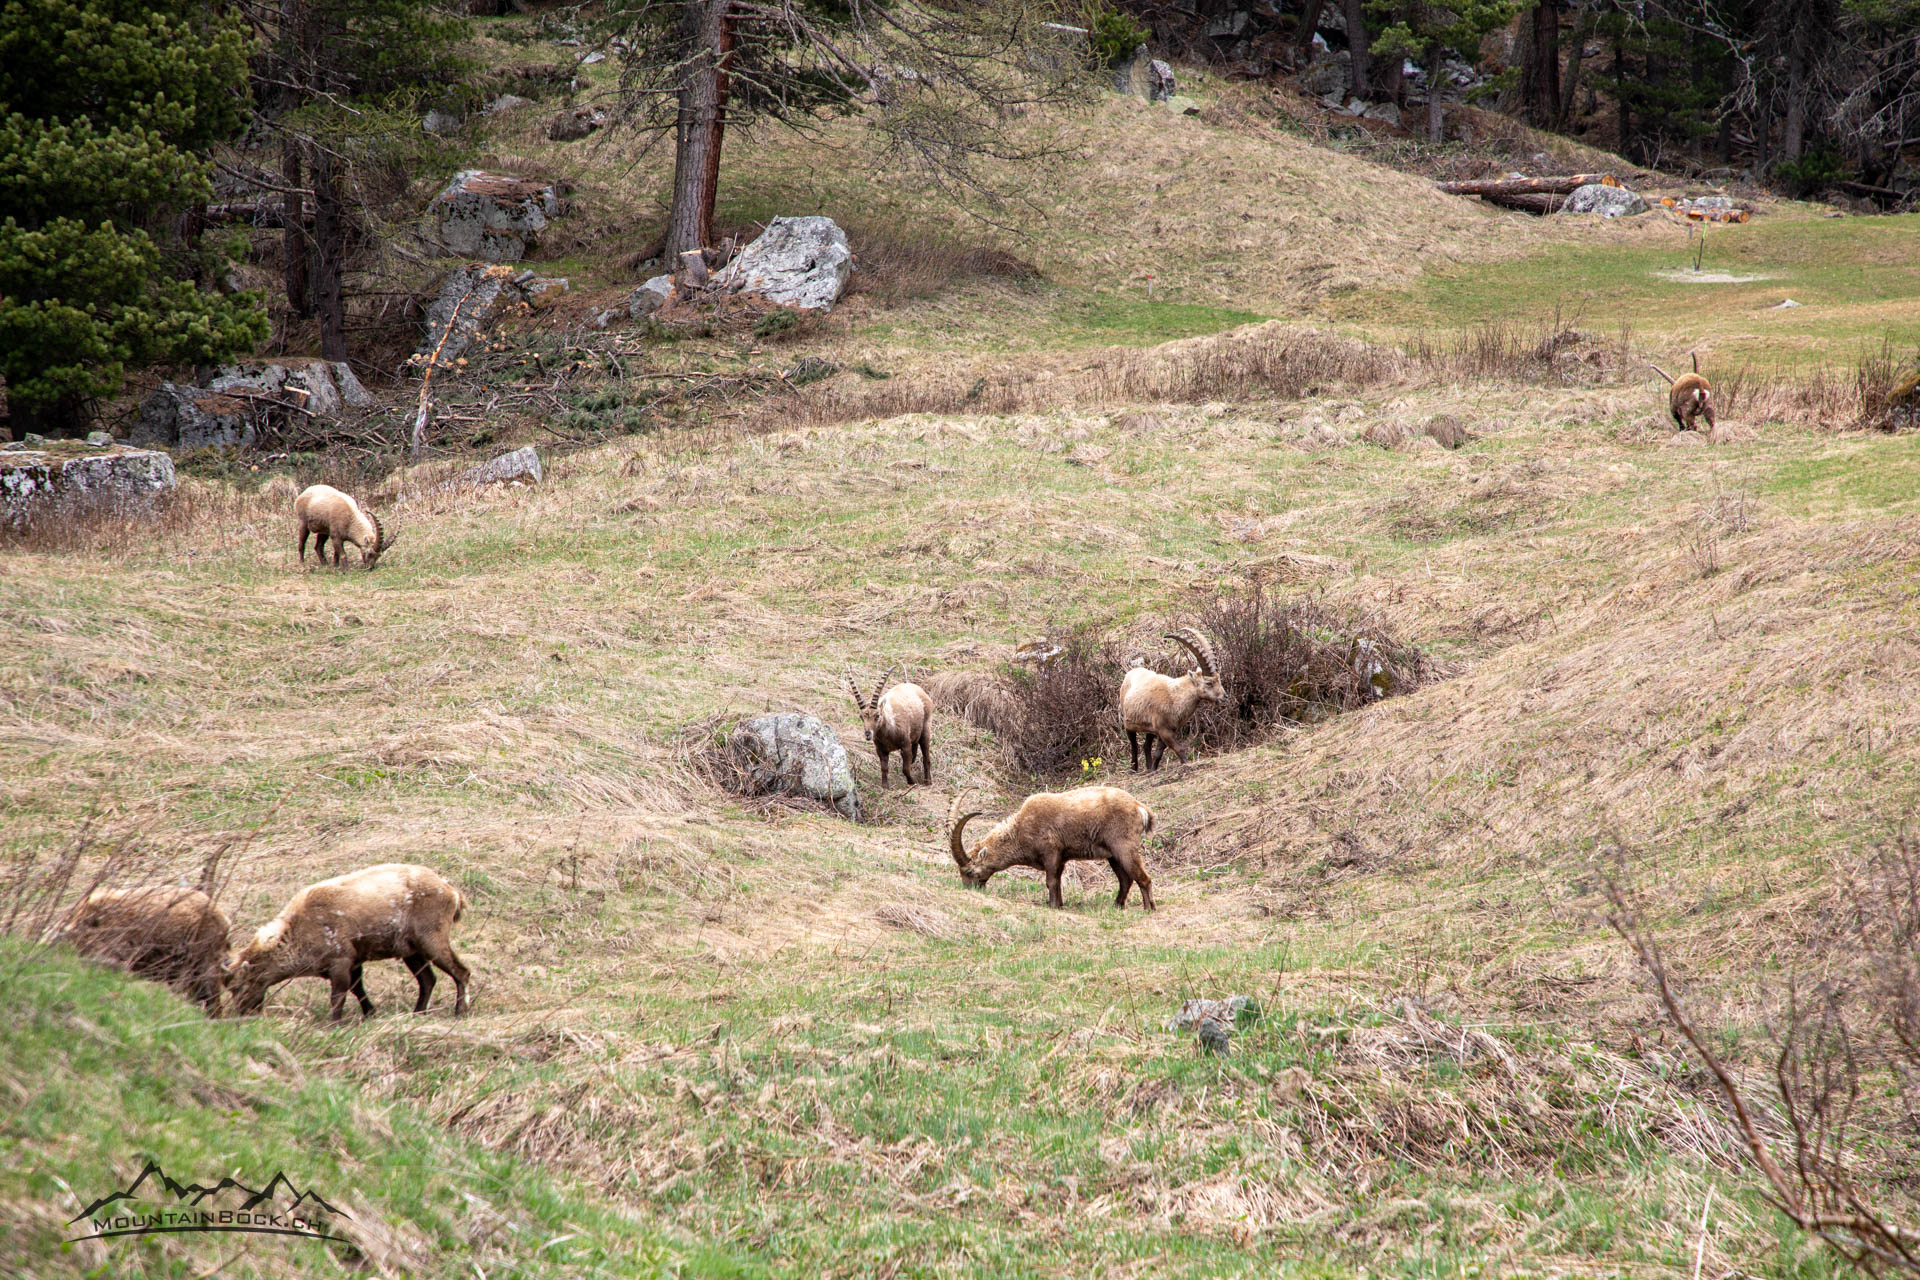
(522, 466)
(245, 400)
(801, 263)
(114, 483)
(493, 216)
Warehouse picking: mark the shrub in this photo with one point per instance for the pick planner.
(1113, 33)
(1282, 661)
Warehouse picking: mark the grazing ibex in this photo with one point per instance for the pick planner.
(1052, 829)
(1160, 706)
(395, 911)
(329, 513)
(1691, 397)
(168, 933)
(900, 720)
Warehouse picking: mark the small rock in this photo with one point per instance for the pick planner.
(569, 126)
(1784, 304)
(1181, 104)
(592, 58)
(605, 318)
(505, 102)
(1608, 202)
(34, 440)
(520, 466)
(650, 297)
(1238, 1011)
(441, 124)
(1385, 111)
(1328, 76)
(99, 439)
(543, 291)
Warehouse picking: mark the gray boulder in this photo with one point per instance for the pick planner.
(243, 400)
(572, 125)
(441, 124)
(470, 298)
(650, 297)
(522, 466)
(118, 483)
(493, 216)
(1608, 202)
(1145, 77)
(801, 263)
(1384, 111)
(1328, 76)
(787, 753)
(505, 102)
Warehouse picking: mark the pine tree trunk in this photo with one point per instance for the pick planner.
(1540, 74)
(295, 246)
(329, 248)
(1436, 117)
(699, 128)
(1570, 87)
(1356, 14)
(1793, 138)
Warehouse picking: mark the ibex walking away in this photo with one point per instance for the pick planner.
(1691, 397)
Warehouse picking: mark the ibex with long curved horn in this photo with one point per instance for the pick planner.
(900, 720)
(1160, 706)
(1690, 397)
(1050, 830)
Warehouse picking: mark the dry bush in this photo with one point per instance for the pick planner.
(1550, 351)
(1855, 395)
(984, 701)
(1282, 662)
(186, 516)
(1844, 1098)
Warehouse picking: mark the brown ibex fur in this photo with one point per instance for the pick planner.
(325, 511)
(395, 911)
(1052, 829)
(900, 720)
(1160, 706)
(1690, 396)
(168, 933)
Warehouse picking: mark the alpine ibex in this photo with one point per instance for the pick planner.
(1691, 397)
(168, 933)
(1160, 706)
(329, 513)
(900, 720)
(395, 911)
(1052, 829)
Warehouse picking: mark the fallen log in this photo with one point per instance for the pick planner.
(1561, 185)
(1541, 204)
(1867, 191)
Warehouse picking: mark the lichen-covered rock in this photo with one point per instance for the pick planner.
(797, 262)
(522, 466)
(788, 753)
(493, 216)
(1329, 75)
(1144, 76)
(1608, 202)
(177, 417)
(543, 291)
(471, 298)
(650, 297)
(244, 400)
(118, 483)
(569, 126)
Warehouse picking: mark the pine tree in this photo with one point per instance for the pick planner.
(107, 109)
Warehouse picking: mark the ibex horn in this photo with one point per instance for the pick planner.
(956, 824)
(1200, 655)
(880, 685)
(854, 689)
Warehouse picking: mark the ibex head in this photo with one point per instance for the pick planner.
(869, 706)
(956, 826)
(1206, 681)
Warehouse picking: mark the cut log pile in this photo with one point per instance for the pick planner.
(1528, 195)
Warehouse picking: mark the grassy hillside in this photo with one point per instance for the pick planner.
(715, 1036)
